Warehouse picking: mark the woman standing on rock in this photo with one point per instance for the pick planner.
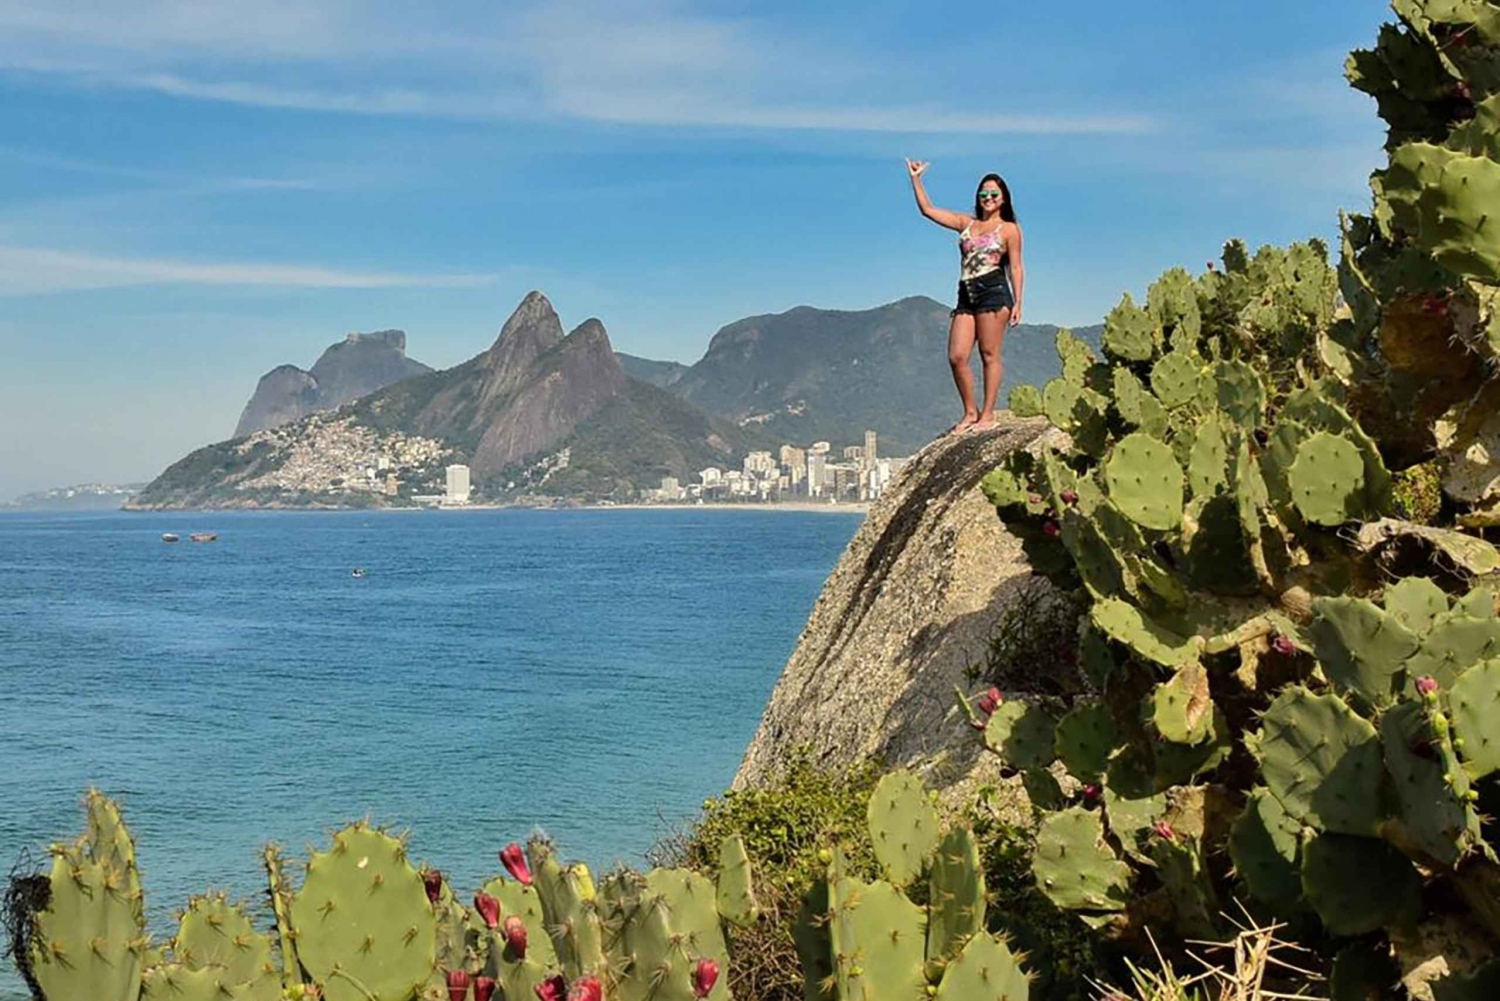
(989, 242)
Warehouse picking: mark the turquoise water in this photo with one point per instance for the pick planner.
(594, 673)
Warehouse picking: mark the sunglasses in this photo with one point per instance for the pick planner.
(986, 196)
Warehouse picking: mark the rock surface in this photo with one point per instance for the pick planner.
(358, 365)
(912, 603)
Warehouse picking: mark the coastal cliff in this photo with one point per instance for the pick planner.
(911, 604)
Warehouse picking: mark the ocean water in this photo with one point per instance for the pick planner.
(593, 673)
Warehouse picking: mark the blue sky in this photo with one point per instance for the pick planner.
(198, 190)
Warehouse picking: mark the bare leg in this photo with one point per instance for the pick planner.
(991, 335)
(960, 347)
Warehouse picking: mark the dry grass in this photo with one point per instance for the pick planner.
(1255, 965)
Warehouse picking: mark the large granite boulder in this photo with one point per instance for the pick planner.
(912, 603)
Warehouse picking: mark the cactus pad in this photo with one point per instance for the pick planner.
(1415, 602)
(1174, 378)
(214, 932)
(1236, 389)
(1322, 762)
(878, 939)
(179, 982)
(1180, 867)
(985, 971)
(1075, 867)
(814, 945)
(1455, 642)
(1026, 401)
(1358, 885)
(955, 895)
(1209, 460)
(1135, 404)
(1022, 734)
(904, 826)
(1084, 739)
(1475, 701)
(1362, 648)
(736, 886)
(1173, 301)
(1431, 786)
(1263, 844)
(1124, 623)
(1182, 708)
(90, 940)
(1129, 332)
(365, 928)
(1328, 480)
(1145, 482)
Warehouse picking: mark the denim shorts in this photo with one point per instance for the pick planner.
(989, 293)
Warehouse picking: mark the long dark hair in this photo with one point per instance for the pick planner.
(1007, 210)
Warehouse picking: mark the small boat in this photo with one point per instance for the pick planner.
(357, 572)
(170, 537)
(203, 536)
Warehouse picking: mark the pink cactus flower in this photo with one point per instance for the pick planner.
(1427, 686)
(705, 975)
(1283, 645)
(488, 908)
(586, 989)
(432, 879)
(552, 989)
(1164, 831)
(989, 701)
(514, 861)
(1070, 497)
(1050, 529)
(484, 988)
(458, 985)
(515, 936)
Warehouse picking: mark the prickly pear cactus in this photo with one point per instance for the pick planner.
(955, 892)
(364, 927)
(1475, 698)
(1075, 867)
(878, 939)
(987, 970)
(571, 910)
(1322, 762)
(215, 933)
(736, 885)
(904, 826)
(91, 941)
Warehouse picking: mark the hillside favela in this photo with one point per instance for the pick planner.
(896, 502)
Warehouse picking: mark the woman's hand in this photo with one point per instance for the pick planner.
(1015, 316)
(916, 168)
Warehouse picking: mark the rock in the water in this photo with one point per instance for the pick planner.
(913, 601)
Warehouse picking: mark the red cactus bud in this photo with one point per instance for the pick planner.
(515, 936)
(586, 989)
(552, 989)
(1050, 529)
(432, 879)
(1427, 685)
(977, 724)
(458, 985)
(1090, 792)
(488, 908)
(1283, 645)
(705, 975)
(1070, 497)
(484, 988)
(514, 861)
(1164, 831)
(989, 701)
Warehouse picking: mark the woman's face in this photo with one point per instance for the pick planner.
(990, 197)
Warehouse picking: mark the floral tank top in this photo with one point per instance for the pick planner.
(980, 254)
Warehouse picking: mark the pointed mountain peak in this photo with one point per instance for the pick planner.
(534, 320)
(589, 330)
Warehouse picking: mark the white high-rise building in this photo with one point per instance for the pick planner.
(458, 485)
(759, 464)
(817, 473)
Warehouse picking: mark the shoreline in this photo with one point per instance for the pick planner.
(801, 507)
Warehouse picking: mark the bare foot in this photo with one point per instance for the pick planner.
(985, 423)
(964, 426)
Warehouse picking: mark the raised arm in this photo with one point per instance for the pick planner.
(953, 220)
(1017, 267)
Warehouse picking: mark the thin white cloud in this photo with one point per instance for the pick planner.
(652, 63)
(37, 270)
